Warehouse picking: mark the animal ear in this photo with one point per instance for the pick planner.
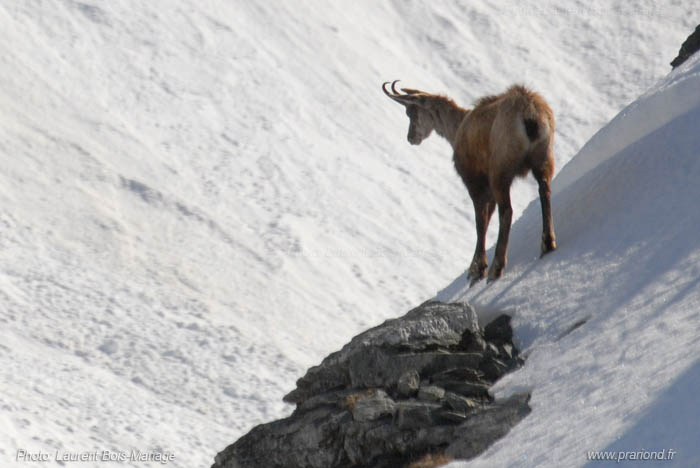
(420, 98)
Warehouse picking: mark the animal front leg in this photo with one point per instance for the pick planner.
(548, 237)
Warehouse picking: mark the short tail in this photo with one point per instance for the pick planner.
(532, 129)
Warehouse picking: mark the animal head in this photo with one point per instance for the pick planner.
(417, 104)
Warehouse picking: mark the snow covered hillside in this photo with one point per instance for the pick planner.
(198, 200)
(628, 265)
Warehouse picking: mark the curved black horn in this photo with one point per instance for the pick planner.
(385, 91)
(403, 99)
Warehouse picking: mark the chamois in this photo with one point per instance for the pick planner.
(502, 137)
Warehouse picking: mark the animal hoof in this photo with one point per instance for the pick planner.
(474, 280)
(547, 247)
(494, 274)
(475, 273)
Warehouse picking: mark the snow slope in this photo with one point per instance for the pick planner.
(628, 264)
(200, 199)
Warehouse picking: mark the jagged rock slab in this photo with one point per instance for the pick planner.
(688, 48)
(433, 325)
(489, 424)
(412, 387)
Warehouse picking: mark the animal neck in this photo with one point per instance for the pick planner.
(447, 117)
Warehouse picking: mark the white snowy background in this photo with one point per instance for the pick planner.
(201, 199)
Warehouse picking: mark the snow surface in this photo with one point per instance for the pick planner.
(201, 199)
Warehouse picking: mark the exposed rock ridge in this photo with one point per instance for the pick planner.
(412, 389)
(688, 48)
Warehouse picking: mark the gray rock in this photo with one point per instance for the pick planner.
(336, 398)
(432, 325)
(492, 368)
(453, 416)
(469, 389)
(431, 393)
(373, 406)
(492, 350)
(364, 443)
(459, 373)
(499, 330)
(377, 367)
(486, 426)
(688, 48)
(408, 384)
(409, 387)
(472, 341)
(284, 443)
(318, 379)
(506, 350)
(387, 446)
(414, 414)
(460, 403)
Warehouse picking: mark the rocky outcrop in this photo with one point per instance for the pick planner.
(688, 48)
(414, 388)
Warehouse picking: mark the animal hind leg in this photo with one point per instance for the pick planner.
(548, 237)
(483, 209)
